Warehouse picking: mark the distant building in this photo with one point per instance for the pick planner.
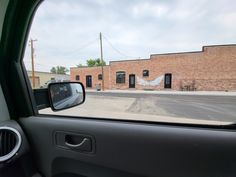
(213, 68)
(43, 78)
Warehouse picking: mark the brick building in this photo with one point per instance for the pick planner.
(213, 68)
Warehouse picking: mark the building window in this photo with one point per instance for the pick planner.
(120, 77)
(77, 77)
(145, 73)
(99, 76)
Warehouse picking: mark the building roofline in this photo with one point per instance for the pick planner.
(190, 52)
(175, 53)
(48, 72)
(220, 45)
(75, 67)
(129, 60)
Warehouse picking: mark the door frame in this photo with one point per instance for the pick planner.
(132, 85)
(87, 83)
(168, 86)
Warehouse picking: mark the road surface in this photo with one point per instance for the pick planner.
(152, 106)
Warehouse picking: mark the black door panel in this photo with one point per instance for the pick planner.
(133, 149)
(89, 81)
(168, 81)
(131, 81)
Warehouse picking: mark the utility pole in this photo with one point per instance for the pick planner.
(32, 60)
(102, 61)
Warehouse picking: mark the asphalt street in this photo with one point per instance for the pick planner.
(220, 108)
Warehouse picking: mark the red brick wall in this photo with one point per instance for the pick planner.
(94, 71)
(131, 67)
(212, 69)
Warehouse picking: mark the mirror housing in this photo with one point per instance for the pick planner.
(64, 95)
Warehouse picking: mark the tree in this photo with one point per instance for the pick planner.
(59, 70)
(99, 62)
(95, 62)
(53, 70)
(91, 62)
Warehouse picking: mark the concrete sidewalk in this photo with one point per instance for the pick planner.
(164, 92)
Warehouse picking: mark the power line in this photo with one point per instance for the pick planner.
(86, 45)
(39, 64)
(69, 53)
(82, 47)
(115, 49)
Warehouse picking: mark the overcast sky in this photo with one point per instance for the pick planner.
(67, 31)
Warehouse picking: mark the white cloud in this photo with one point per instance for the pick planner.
(228, 19)
(149, 9)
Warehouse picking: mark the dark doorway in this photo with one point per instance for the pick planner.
(131, 81)
(89, 81)
(168, 80)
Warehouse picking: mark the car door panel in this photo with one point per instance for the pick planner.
(131, 149)
(119, 148)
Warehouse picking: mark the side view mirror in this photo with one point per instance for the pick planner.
(64, 95)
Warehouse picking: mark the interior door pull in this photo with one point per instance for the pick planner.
(75, 142)
(81, 144)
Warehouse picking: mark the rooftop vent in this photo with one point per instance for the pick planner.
(10, 141)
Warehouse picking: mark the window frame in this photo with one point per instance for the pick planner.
(120, 80)
(76, 77)
(100, 77)
(35, 110)
(145, 73)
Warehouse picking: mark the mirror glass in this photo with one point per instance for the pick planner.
(66, 95)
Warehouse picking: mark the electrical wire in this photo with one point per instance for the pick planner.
(115, 49)
(83, 46)
(68, 54)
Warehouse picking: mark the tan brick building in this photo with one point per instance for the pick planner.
(213, 68)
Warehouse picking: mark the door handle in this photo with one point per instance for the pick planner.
(75, 142)
(82, 143)
(78, 143)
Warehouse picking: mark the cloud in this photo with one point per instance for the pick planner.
(228, 20)
(149, 9)
(68, 30)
